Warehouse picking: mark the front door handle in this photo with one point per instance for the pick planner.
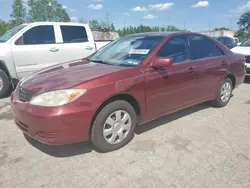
(89, 48)
(224, 62)
(54, 49)
(190, 69)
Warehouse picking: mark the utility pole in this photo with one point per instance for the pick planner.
(185, 24)
(107, 19)
(140, 25)
(230, 24)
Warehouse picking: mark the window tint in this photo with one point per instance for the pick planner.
(204, 47)
(176, 48)
(74, 34)
(39, 35)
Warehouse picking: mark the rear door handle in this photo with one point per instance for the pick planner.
(54, 49)
(89, 48)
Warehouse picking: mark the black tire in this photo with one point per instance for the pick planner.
(6, 84)
(218, 101)
(97, 138)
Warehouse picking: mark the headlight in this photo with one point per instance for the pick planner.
(57, 98)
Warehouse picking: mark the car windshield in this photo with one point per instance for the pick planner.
(10, 33)
(126, 51)
(246, 43)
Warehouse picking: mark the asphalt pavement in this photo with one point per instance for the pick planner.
(198, 147)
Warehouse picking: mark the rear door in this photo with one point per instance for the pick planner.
(76, 42)
(35, 49)
(211, 66)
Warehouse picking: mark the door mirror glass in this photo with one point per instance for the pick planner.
(162, 62)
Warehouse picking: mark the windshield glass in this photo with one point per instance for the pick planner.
(246, 43)
(10, 33)
(126, 51)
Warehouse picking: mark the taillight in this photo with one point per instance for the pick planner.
(245, 61)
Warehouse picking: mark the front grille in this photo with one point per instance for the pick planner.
(24, 95)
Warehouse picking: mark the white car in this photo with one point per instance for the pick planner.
(31, 47)
(244, 48)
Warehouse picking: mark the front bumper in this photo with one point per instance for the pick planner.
(61, 125)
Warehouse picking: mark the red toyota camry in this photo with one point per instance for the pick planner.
(132, 80)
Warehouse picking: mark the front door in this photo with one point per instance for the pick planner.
(35, 49)
(171, 87)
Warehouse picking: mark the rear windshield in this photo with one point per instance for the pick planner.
(246, 43)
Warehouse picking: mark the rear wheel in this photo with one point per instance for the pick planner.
(4, 83)
(224, 93)
(114, 126)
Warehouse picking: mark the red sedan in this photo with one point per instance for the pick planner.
(132, 80)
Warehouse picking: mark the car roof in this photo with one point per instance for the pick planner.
(161, 34)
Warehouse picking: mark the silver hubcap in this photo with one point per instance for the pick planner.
(1, 84)
(117, 127)
(225, 92)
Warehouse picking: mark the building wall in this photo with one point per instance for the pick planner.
(228, 33)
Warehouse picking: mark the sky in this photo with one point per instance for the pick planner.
(193, 15)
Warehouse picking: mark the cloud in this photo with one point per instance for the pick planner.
(126, 14)
(161, 6)
(149, 16)
(139, 9)
(95, 7)
(201, 4)
(243, 8)
(74, 18)
(65, 7)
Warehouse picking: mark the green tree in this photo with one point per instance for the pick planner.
(244, 21)
(112, 27)
(18, 15)
(47, 10)
(221, 28)
(3, 27)
(82, 20)
(94, 24)
(172, 28)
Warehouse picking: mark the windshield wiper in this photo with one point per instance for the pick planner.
(100, 61)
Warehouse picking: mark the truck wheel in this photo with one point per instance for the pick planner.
(4, 83)
(223, 94)
(114, 126)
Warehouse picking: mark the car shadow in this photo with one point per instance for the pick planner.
(169, 118)
(61, 151)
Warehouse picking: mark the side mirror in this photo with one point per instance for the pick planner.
(162, 62)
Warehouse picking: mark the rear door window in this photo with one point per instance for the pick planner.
(204, 47)
(74, 34)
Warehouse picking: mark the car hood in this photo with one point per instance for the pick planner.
(66, 75)
(241, 50)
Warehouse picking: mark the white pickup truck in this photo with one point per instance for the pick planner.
(30, 47)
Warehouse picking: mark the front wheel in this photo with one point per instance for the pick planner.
(4, 83)
(114, 126)
(224, 93)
